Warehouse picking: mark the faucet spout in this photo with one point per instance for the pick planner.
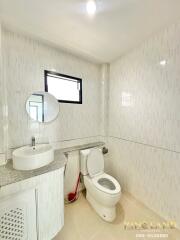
(33, 142)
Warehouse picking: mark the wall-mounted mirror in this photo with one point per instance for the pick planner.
(42, 107)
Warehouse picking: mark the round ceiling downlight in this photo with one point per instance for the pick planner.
(91, 7)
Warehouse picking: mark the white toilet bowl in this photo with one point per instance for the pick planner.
(102, 190)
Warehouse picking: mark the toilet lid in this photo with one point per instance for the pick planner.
(95, 162)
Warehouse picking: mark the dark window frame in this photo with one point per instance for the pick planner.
(59, 75)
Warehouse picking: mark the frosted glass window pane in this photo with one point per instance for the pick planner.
(64, 88)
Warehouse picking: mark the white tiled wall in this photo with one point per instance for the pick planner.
(144, 122)
(25, 62)
(144, 117)
(104, 98)
(1, 102)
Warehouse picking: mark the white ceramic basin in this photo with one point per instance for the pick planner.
(29, 158)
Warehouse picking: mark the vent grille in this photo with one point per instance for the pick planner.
(12, 224)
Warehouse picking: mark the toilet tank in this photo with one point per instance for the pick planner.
(83, 161)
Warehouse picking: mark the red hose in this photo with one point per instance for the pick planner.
(73, 195)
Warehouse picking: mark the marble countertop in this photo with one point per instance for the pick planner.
(9, 175)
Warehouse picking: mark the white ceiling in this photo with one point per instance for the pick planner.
(118, 26)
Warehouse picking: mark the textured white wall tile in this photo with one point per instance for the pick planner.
(153, 116)
(25, 62)
(152, 175)
(75, 142)
(144, 108)
(1, 100)
(104, 98)
(2, 159)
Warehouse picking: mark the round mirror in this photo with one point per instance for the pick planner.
(42, 107)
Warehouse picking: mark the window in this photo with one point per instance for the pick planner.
(65, 88)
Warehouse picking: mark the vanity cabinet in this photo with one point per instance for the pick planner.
(50, 205)
(18, 216)
(33, 209)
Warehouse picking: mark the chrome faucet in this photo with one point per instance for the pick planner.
(33, 142)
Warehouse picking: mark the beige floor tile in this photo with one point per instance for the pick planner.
(104, 234)
(69, 231)
(82, 223)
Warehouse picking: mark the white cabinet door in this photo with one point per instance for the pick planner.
(50, 205)
(18, 216)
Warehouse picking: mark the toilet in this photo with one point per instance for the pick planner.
(102, 190)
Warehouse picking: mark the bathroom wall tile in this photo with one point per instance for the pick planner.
(144, 122)
(75, 142)
(145, 95)
(151, 175)
(2, 159)
(67, 143)
(25, 62)
(104, 98)
(1, 102)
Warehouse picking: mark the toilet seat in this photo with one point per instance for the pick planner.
(106, 183)
(101, 180)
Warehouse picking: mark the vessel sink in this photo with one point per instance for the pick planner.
(29, 158)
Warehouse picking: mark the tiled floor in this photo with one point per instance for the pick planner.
(82, 223)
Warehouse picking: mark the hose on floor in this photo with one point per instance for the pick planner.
(76, 194)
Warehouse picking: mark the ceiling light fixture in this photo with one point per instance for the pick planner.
(163, 62)
(91, 7)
